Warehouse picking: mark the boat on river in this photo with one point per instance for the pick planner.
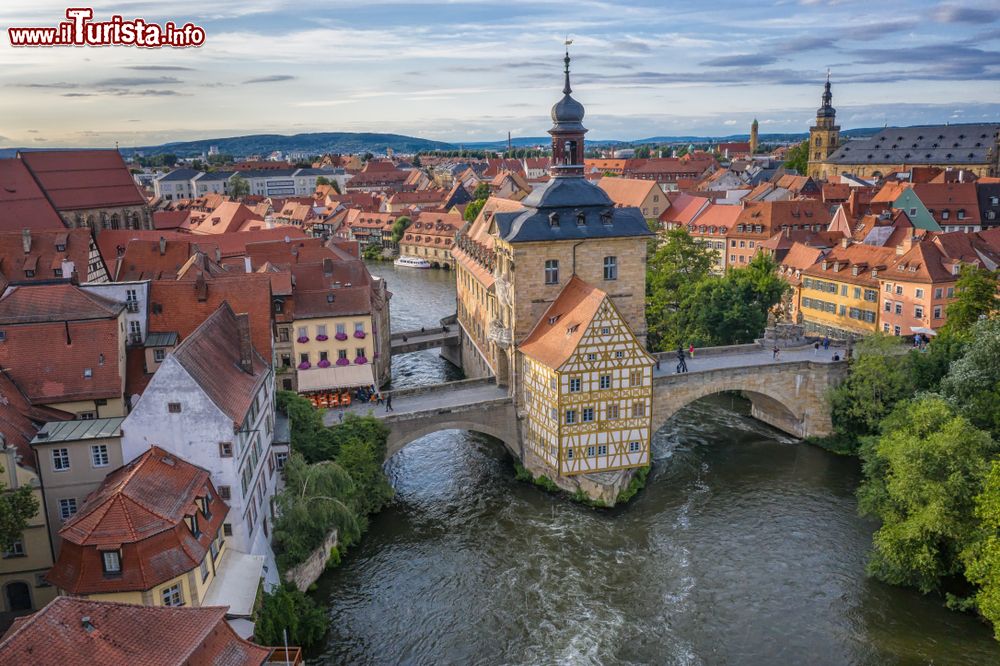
(412, 262)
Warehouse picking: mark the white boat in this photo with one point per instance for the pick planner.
(412, 262)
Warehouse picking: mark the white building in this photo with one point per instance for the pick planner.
(211, 402)
(135, 296)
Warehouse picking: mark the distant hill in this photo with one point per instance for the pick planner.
(315, 143)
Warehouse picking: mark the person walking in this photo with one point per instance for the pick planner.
(657, 363)
(340, 415)
(388, 403)
(775, 352)
(816, 348)
(681, 363)
(379, 400)
(826, 343)
(691, 350)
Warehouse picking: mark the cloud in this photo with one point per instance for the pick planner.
(740, 60)
(274, 78)
(59, 85)
(804, 44)
(160, 68)
(32, 131)
(863, 32)
(125, 81)
(956, 14)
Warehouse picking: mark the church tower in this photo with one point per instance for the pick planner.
(753, 137)
(824, 136)
(567, 132)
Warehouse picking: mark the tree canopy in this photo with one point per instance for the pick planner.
(238, 187)
(797, 158)
(399, 227)
(975, 298)
(17, 507)
(287, 609)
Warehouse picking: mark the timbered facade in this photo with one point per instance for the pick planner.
(586, 386)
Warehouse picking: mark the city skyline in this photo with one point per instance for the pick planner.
(469, 70)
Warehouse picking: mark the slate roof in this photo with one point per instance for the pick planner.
(215, 175)
(922, 144)
(126, 634)
(569, 198)
(267, 173)
(178, 175)
(80, 179)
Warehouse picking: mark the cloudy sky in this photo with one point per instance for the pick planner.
(468, 70)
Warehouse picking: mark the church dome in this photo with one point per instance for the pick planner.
(567, 111)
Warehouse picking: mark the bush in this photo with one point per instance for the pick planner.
(637, 483)
(288, 609)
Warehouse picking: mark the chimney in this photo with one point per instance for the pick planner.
(845, 242)
(163, 246)
(246, 347)
(201, 287)
(68, 267)
(26, 240)
(74, 277)
(247, 265)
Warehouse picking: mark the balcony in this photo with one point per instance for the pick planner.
(290, 655)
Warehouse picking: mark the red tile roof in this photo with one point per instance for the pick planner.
(558, 332)
(54, 335)
(140, 509)
(44, 254)
(175, 305)
(22, 203)
(18, 420)
(229, 217)
(126, 634)
(79, 179)
(211, 355)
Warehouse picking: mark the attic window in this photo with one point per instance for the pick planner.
(570, 330)
(553, 219)
(581, 219)
(3, 336)
(553, 319)
(606, 217)
(88, 373)
(60, 247)
(329, 298)
(874, 273)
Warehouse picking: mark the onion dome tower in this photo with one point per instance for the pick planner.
(567, 132)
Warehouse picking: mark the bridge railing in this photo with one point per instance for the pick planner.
(456, 385)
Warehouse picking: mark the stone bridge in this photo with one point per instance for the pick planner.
(789, 393)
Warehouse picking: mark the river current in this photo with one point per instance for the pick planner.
(745, 547)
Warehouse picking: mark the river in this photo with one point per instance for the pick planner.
(744, 548)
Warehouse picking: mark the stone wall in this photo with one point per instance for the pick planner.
(309, 571)
(495, 418)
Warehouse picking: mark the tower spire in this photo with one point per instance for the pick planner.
(566, 88)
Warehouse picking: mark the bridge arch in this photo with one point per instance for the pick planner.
(494, 418)
(789, 396)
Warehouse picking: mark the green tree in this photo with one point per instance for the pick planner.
(878, 379)
(976, 298)
(797, 157)
(973, 382)
(309, 436)
(17, 507)
(314, 501)
(416, 161)
(922, 475)
(930, 366)
(322, 180)
(168, 159)
(399, 227)
(367, 157)
(287, 609)
(238, 187)
(361, 441)
(677, 264)
(472, 209)
(482, 191)
(982, 558)
(371, 252)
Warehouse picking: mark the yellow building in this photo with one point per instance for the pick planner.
(25, 562)
(973, 147)
(151, 534)
(839, 295)
(586, 386)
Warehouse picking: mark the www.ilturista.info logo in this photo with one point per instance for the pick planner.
(81, 30)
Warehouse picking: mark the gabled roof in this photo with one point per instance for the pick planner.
(211, 355)
(81, 179)
(117, 633)
(557, 333)
(921, 144)
(628, 191)
(229, 217)
(44, 255)
(22, 203)
(684, 209)
(34, 303)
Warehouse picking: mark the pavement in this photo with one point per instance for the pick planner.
(449, 398)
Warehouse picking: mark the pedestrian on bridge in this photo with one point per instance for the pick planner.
(379, 400)
(816, 348)
(691, 350)
(826, 343)
(775, 352)
(682, 365)
(388, 403)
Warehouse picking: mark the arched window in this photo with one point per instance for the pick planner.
(819, 141)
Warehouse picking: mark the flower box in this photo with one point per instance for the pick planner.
(324, 363)
(343, 361)
(360, 360)
(302, 339)
(305, 365)
(360, 335)
(321, 338)
(341, 336)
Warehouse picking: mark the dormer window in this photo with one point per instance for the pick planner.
(607, 217)
(854, 270)
(553, 219)
(111, 562)
(581, 219)
(192, 522)
(825, 265)
(553, 319)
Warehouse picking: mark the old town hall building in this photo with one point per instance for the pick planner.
(551, 300)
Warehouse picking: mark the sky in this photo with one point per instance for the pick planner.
(472, 70)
